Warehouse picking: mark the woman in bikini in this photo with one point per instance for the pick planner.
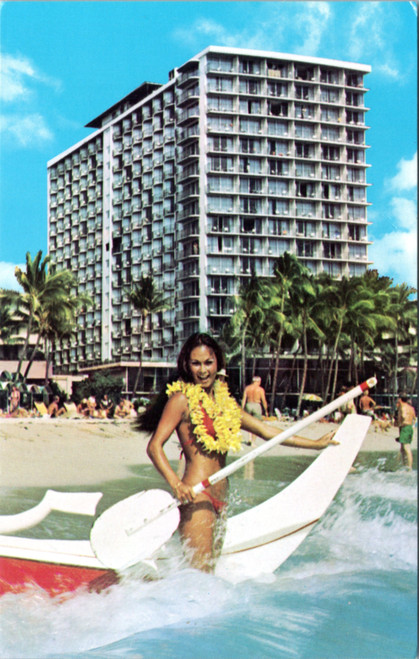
(208, 422)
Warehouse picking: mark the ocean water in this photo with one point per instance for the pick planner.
(348, 592)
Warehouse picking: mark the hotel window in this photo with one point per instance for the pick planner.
(355, 175)
(278, 227)
(220, 223)
(250, 126)
(222, 124)
(305, 247)
(302, 111)
(250, 165)
(250, 225)
(355, 155)
(330, 172)
(304, 150)
(251, 185)
(221, 103)
(249, 86)
(278, 207)
(277, 89)
(220, 144)
(220, 183)
(330, 76)
(277, 187)
(218, 84)
(278, 148)
(332, 250)
(248, 145)
(355, 136)
(278, 167)
(220, 204)
(304, 209)
(355, 193)
(330, 152)
(221, 164)
(331, 191)
(305, 130)
(329, 114)
(356, 213)
(250, 205)
(250, 107)
(279, 128)
(328, 95)
(304, 92)
(330, 133)
(249, 66)
(219, 64)
(304, 169)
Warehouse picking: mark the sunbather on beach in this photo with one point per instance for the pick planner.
(208, 422)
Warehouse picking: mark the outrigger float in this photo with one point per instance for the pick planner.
(133, 531)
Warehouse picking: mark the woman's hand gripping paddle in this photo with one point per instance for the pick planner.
(135, 528)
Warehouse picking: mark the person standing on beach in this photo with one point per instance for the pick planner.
(254, 398)
(366, 404)
(14, 401)
(405, 420)
(208, 422)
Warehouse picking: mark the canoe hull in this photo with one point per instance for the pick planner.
(18, 575)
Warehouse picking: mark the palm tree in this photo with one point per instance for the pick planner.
(242, 331)
(343, 302)
(41, 290)
(11, 319)
(404, 312)
(57, 322)
(304, 300)
(147, 299)
(288, 271)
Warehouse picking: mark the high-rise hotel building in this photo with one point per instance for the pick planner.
(241, 156)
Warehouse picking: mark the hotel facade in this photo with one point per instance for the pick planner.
(241, 156)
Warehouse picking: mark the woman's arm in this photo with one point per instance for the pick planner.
(265, 431)
(173, 413)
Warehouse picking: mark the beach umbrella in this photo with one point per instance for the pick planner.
(312, 397)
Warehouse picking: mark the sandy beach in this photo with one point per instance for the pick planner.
(44, 452)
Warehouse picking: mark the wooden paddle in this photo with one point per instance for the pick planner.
(133, 529)
(78, 503)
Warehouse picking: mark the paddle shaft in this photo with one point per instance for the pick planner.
(286, 434)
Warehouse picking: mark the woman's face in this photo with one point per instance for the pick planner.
(203, 366)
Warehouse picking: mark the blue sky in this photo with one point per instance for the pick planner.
(63, 63)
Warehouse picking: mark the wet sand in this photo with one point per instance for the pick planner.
(75, 452)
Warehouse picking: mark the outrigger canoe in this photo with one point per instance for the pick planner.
(257, 540)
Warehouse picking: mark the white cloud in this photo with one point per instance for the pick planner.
(306, 23)
(407, 176)
(25, 130)
(7, 275)
(395, 255)
(312, 23)
(17, 78)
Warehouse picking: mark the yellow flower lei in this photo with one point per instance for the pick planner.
(222, 409)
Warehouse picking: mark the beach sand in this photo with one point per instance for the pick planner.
(43, 452)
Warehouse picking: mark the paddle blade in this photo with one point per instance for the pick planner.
(133, 529)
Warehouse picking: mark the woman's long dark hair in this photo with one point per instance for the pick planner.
(148, 420)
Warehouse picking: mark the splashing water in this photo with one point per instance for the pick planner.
(338, 596)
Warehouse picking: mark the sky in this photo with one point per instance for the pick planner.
(64, 63)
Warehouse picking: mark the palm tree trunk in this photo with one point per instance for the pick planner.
(142, 337)
(333, 359)
(31, 358)
(25, 348)
(304, 378)
(275, 377)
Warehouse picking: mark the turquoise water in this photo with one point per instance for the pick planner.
(348, 592)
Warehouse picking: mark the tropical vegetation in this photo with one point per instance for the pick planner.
(47, 308)
(357, 321)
